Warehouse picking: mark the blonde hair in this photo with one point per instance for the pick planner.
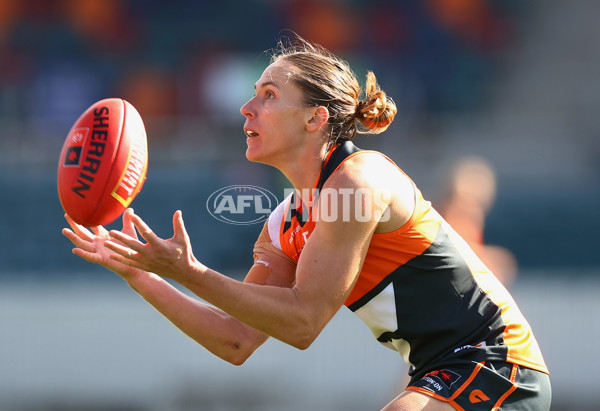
(329, 81)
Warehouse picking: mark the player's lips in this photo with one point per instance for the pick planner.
(250, 133)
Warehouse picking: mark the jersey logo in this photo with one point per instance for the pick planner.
(447, 377)
(478, 396)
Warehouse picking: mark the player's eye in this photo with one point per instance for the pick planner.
(269, 95)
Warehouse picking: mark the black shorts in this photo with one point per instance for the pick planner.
(487, 386)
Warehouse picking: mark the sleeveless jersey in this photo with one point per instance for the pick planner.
(422, 291)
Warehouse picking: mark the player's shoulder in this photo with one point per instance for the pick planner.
(366, 168)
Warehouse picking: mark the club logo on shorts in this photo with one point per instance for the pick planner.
(478, 396)
(447, 377)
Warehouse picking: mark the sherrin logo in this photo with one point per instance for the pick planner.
(241, 204)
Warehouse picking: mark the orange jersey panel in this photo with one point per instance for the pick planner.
(422, 291)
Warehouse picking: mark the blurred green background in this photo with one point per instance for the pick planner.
(513, 82)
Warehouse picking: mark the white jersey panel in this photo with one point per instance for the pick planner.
(380, 316)
(275, 221)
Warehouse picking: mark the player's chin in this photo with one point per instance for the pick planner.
(253, 152)
(258, 152)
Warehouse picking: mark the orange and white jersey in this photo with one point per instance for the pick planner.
(422, 291)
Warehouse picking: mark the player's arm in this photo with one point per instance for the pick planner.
(330, 261)
(326, 272)
(219, 332)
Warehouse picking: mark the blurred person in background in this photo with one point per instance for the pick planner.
(403, 270)
(470, 192)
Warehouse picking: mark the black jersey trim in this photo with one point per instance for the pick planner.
(337, 157)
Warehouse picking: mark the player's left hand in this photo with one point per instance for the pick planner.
(171, 258)
(90, 245)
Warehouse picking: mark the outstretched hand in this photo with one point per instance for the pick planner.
(171, 258)
(91, 245)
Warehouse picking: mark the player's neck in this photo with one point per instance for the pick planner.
(304, 172)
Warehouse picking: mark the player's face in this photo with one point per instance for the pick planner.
(275, 117)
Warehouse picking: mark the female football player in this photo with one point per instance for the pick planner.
(356, 231)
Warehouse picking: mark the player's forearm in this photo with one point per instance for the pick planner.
(222, 335)
(276, 311)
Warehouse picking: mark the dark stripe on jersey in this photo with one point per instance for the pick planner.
(294, 214)
(438, 278)
(339, 155)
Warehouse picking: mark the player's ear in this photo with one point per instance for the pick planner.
(318, 118)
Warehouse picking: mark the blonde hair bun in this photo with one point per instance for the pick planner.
(377, 111)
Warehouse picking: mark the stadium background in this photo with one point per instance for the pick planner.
(516, 82)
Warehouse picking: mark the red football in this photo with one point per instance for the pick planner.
(103, 162)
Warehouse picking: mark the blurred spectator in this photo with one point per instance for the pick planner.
(426, 47)
(150, 89)
(104, 23)
(331, 23)
(474, 21)
(59, 94)
(189, 60)
(470, 194)
(9, 11)
(226, 85)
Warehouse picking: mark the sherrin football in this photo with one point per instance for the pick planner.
(103, 162)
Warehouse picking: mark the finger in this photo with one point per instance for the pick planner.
(126, 240)
(78, 229)
(144, 229)
(124, 251)
(128, 227)
(128, 262)
(92, 257)
(79, 242)
(120, 249)
(179, 230)
(99, 231)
